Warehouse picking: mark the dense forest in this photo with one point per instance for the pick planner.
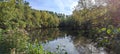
(17, 17)
(18, 14)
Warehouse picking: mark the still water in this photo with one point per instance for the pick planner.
(70, 41)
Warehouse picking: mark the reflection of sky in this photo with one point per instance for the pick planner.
(60, 6)
(63, 43)
(68, 45)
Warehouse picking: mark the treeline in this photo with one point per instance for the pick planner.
(88, 15)
(99, 22)
(18, 14)
(96, 17)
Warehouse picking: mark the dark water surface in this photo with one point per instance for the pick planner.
(72, 42)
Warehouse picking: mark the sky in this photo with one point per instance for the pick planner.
(59, 6)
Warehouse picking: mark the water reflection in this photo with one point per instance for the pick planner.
(66, 43)
(44, 34)
(70, 41)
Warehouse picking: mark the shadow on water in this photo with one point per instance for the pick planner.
(74, 42)
(45, 34)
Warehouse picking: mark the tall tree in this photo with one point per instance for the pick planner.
(6, 13)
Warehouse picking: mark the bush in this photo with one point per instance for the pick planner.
(36, 49)
(13, 39)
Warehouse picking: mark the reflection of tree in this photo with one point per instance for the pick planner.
(44, 34)
(85, 44)
(93, 41)
(82, 45)
(80, 42)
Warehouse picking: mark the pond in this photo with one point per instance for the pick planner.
(71, 41)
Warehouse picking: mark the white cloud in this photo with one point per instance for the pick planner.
(69, 4)
(93, 1)
(73, 5)
(60, 6)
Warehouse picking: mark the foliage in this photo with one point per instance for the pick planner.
(17, 42)
(18, 14)
(13, 39)
(36, 48)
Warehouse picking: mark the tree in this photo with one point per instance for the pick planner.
(6, 13)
